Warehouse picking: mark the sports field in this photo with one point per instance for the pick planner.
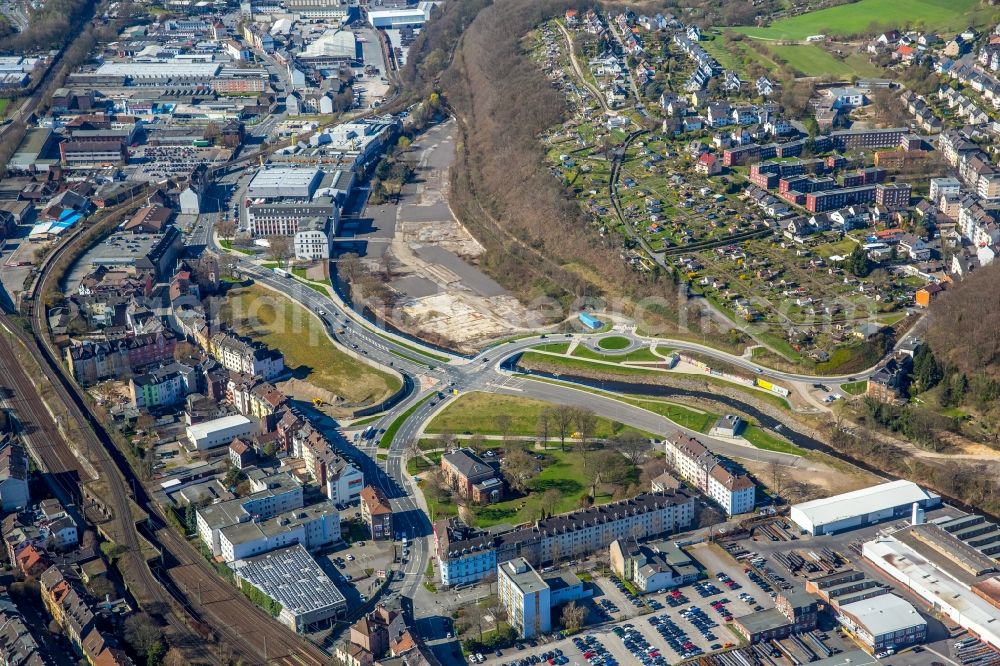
(867, 16)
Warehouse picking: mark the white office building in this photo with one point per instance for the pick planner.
(313, 526)
(272, 495)
(312, 240)
(525, 596)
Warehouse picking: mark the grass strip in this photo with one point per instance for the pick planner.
(394, 427)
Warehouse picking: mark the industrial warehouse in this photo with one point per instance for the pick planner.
(867, 506)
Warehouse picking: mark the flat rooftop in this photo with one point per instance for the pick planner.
(122, 250)
(884, 614)
(284, 522)
(523, 576)
(292, 577)
(285, 177)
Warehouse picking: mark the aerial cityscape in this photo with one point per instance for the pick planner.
(510, 332)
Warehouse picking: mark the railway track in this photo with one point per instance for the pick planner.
(143, 583)
(245, 631)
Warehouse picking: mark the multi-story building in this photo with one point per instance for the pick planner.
(652, 567)
(942, 186)
(340, 480)
(311, 241)
(734, 492)
(286, 218)
(240, 354)
(377, 512)
(883, 624)
(893, 195)
(472, 477)
(92, 361)
(272, 495)
(14, 493)
(167, 385)
(525, 596)
(338, 10)
(313, 526)
(464, 553)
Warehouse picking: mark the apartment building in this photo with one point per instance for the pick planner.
(525, 596)
(340, 480)
(734, 492)
(165, 386)
(313, 526)
(14, 493)
(652, 567)
(376, 511)
(240, 354)
(272, 495)
(463, 553)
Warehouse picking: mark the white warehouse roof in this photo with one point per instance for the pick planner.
(158, 70)
(873, 499)
(206, 428)
(884, 614)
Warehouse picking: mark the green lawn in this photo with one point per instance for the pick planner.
(570, 363)
(764, 439)
(562, 471)
(869, 16)
(4, 103)
(813, 60)
(476, 413)
(554, 347)
(390, 432)
(854, 388)
(613, 342)
(679, 414)
(637, 355)
(282, 324)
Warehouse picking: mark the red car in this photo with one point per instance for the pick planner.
(588, 655)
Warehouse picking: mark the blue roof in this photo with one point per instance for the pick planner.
(68, 222)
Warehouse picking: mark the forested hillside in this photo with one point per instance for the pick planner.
(539, 242)
(965, 324)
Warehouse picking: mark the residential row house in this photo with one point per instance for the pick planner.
(240, 354)
(467, 555)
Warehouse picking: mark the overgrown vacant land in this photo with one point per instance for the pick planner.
(280, 323)
(858, 17)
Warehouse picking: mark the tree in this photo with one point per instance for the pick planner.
(478, 443)
(543, 427)
(632, 445)
(111, 550)
(573, 617)
(562, 418)
(174, 657)
(586, 425)
(145, 637)
(857, 263)
(776, 476)
(226, 228)
(549, 501)
(101, 588)
(279, 248)
(504, 423)
(184, 350)
(926, 371)
(518, 468)
(190, 518)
